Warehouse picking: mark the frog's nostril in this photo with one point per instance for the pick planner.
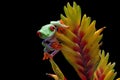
(38, 33)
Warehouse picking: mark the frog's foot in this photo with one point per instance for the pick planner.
(56, 45)
(46, 56)
(61, 21)
(63, 25)
(61, 30)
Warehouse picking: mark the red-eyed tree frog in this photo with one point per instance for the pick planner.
(50, 43)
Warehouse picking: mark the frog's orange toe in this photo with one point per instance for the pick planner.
(46, 56)
(61, 30)
(56, 46)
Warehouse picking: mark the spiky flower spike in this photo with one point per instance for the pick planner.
(104, 70)
(80, 45)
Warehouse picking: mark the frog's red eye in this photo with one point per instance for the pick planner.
(52, 28)
(38, 33)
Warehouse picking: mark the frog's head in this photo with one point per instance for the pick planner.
(46, 31)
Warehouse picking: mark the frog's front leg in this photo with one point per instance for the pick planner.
(49, 44)
(53, 46)
(47, 47)
(47, 50)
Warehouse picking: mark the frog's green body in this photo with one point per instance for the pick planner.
(47, 33)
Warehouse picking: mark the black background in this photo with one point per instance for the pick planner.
(42, 12)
